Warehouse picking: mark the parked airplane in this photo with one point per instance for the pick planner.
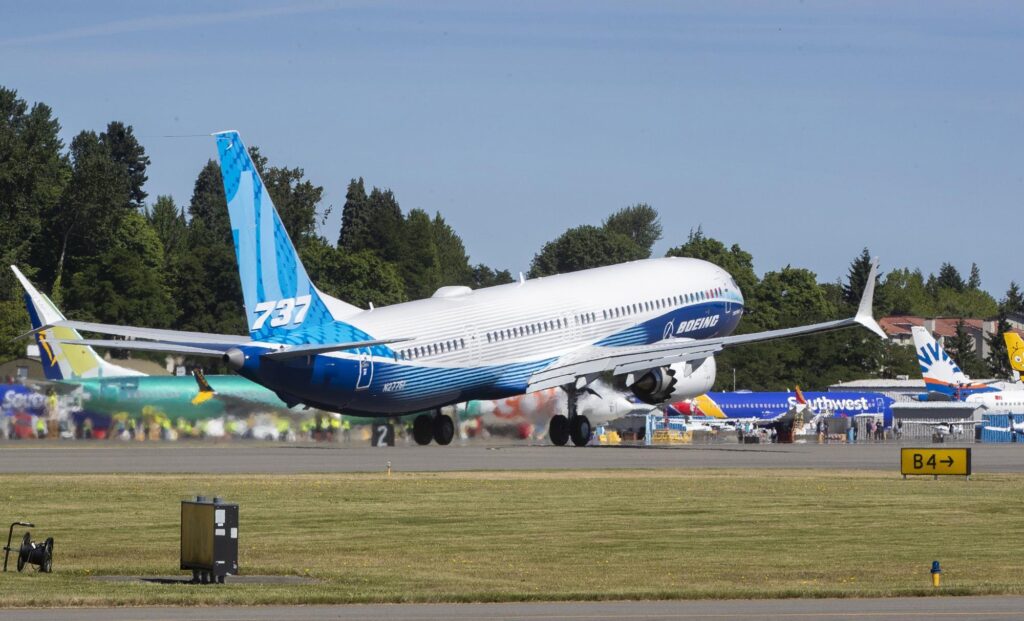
(658, 322)
(111, 389)
(941, 430)
(770, 406)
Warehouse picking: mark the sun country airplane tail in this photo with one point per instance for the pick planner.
(62, 360)
(281, 303)
(942, 375)
(1015, 350)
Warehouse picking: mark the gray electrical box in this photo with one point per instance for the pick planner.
(209, 539)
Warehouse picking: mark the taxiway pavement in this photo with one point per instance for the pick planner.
(266, 457)
(990, 608)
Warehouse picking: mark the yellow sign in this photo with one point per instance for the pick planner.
(944, 461)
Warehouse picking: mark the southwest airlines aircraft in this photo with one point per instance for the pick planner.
(770, 406)
(658, 322)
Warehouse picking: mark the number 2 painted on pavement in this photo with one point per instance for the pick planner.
(286, 309)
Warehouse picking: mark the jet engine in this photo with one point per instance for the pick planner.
(681, 380)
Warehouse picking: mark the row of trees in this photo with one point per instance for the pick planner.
(78, 221)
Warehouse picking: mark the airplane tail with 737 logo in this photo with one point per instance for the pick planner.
(281, 303)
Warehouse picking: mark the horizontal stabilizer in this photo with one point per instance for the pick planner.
(175, 348)
(299, 351)
(174, 336)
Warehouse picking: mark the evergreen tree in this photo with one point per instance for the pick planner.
(949, 278)
(857, 278)
(355, 218)
(998, 361)
(33, 174)
(169, 224)
(420, 264)
(126, 151)
(931, 287)
(974, 282)
(453, 262)
(1014, 301)
(86, 219)
(385, 228)
(638, 222)
(206, 285)
(208, 204)
(961, 348)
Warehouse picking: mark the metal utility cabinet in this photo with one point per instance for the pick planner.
(209, 539)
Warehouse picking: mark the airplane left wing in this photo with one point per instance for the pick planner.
(593, 361)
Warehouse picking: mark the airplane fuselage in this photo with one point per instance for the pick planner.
(171, 396)
(1006, 400)
(485, 344)
(771, 405)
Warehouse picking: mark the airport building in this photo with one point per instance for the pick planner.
(980, 330)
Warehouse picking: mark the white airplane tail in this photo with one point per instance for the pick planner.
(941, 373)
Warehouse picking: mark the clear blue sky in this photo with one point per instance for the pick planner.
(802, 131)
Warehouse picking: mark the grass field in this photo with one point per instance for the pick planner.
(529, 536)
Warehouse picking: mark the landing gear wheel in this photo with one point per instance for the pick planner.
(580, 430)
(558, 430)
(423, 429)
(444, 430)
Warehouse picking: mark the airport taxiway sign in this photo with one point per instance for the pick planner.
(928, 461)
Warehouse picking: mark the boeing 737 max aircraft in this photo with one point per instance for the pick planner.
(658, 322)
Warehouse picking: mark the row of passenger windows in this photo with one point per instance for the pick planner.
(541, 327)
(652, 305)
(434, 349)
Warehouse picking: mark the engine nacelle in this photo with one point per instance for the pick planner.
(682, 380)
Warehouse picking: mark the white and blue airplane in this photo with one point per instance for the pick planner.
(658, 322)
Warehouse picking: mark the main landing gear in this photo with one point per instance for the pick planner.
(436, 427)
(575, 425)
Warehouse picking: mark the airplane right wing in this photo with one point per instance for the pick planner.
(593, 361)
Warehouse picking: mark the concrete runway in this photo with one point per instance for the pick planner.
(770, 610)
(269, 458)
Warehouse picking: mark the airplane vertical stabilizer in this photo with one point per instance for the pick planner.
(62, 361)
(282, 304)
(1015, 350)
(941, 373)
